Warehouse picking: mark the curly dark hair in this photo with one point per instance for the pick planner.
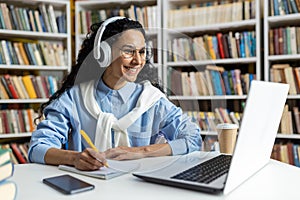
(115, 29)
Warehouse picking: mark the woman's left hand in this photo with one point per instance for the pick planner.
(131, 153)
(125, 153)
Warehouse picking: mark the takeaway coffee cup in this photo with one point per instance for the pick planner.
(227, 134)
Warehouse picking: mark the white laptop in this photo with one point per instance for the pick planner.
(252, 152)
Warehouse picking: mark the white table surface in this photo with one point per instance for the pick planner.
(275, 181)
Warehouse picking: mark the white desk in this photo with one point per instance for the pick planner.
(275, 181)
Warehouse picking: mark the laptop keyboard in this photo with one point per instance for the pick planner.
(207, 171)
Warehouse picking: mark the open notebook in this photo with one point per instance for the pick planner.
(116, 168)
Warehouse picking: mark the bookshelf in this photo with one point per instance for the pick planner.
(281, 63)
(147, 12)
(36, 44)
(282, 54)
(206, 27)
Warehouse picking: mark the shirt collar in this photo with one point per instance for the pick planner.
(125, 92)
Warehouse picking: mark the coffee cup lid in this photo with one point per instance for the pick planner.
(227, 126)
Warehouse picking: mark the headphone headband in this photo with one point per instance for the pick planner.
(99, 34)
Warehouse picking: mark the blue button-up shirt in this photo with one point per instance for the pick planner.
(66, 116)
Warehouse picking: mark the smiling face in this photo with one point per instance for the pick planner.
(125, 68)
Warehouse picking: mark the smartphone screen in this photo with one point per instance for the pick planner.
(68, 184)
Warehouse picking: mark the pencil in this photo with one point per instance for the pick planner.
(89, 141)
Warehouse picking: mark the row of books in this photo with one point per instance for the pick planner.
(145, 15)
(27, 87)
(212, 81)
(284, 73)
(197, 14)
(288, 153)
(18, 152)
(8, 188)
(290, 121)
(17, 120)
(33, 53)
(284, 40)
(219, 46)
(284, 7)
(42, 19)
(208, 121)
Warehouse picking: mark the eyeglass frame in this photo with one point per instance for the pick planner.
(134, 51)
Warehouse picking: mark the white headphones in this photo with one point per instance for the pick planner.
(102, 50)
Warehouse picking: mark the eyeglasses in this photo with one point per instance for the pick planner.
(128, 51)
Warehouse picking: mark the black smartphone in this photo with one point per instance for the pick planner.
(68, 184)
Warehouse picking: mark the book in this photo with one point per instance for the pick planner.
(20, 121)
(41, 87)
(29, 86)
(6, 87)
(23, 150)
(289, 77)
(20, 79)
(43, 11)
(226, 82)
(116, 168)
(185, 82)
(11, 86)
(220, 45)
(14, 20)
(289, 146)
(238, 85)
(37, 20)
(201, 83)
(52, 20)
(36, 87)
(18, 153)
(30, 114)
(209, 82)
(12, 53)
(6, 128)
(237, 41)
(194, 88)
(8, 190)
(216, 82)
(33, 24)
(4, 156)
(18, 87)
(102, 173)
(23, 53)
(297, 78)
(5, 52)
(18, 53)
(296, 156)
(6, 166)
(176, 86)
(297, 118)
(3, 92)
(26, 121)
(5, 13)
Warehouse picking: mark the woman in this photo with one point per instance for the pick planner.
(124, 119)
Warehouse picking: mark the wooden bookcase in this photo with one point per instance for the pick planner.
(282, 56)
(147, 12)
(54, 61)
(184, 23)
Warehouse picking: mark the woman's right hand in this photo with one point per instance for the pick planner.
(89, 160)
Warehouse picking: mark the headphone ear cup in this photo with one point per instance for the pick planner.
(105, 54)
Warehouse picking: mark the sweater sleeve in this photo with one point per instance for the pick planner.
(182, 134)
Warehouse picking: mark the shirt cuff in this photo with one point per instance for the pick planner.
(178, 147)
(38, 152)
